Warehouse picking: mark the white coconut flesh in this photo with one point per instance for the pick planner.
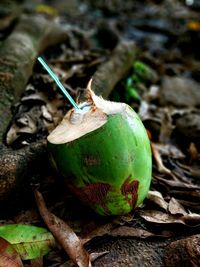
(91, 116)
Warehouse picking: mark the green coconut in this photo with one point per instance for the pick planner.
(103, 153)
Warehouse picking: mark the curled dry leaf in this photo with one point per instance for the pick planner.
(174, 207)
(169, 150)
(130, 231)
(36, 97)
(8, 255)
(157, 198)
(99, 231)
(159, 162)
(175, 184)
(46, 114)
(64, 234)
(25, 124)
(126, 231)
(153, 216)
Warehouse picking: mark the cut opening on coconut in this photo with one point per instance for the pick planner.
(90, 116)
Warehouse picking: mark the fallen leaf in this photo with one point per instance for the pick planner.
(158, 159)
(37, 262)
(126, 231)
(174, 207)
(64, 234)
(193, 152)
(46, 114)
(29, 241)
(8, 255)
(190, 205)
(37, 97)
(157, 198)
(130, 231)
(99, 231)
(166, 127)
(94, 256)
(155, 216)
(169, 150)
(26, 124)
(175, 184)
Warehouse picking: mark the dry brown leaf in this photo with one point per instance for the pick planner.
(193, 152)
(192, 194)
(175, 184)
(100, 231)
(25, 124)
(169, 150)
(159, 162)
(192, 219)
(64, 234)
(174, 207)
(37, 97)
(154, 216)
(46, 114)
(126, 231)
(166, 126)
(8, 256)
(130, 231)
(37, 262)
(190, 205)
(157, 198)
(94, 256)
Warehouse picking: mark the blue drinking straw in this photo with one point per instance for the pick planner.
(59, 84)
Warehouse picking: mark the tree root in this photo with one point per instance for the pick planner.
(18, 53)
(111, 72)
(17, 169)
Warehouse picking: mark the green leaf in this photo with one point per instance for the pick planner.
(29, 241)
(131, 93)
(8, 255)
(142, 72)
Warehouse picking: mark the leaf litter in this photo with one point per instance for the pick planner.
(175, 190)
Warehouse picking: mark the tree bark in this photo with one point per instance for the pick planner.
(17, 168)
(18, 53)
(115, 69)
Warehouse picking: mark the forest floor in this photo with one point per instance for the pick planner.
(159, 77)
